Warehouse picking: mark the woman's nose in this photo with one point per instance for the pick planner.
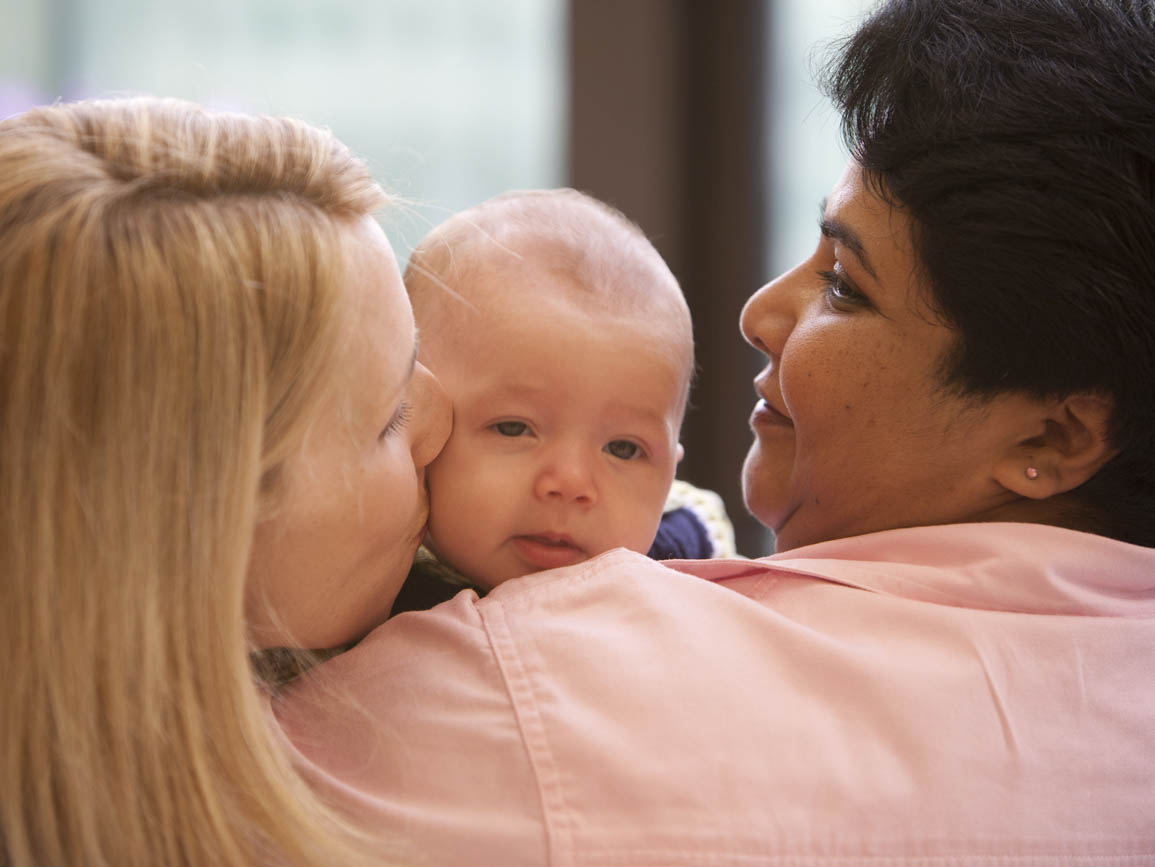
(770, 313)
(433, 416)
(566, 477)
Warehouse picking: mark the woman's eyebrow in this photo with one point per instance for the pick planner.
(836, 230)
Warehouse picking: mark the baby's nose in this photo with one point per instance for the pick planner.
(567, 478)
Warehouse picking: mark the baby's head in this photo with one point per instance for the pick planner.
(566, 347)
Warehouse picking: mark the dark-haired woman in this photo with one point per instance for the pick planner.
(949, 660)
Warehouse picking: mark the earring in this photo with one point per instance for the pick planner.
(1032, 473)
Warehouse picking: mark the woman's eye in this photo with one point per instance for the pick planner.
(839, 292)
(400, 419)
(511, 428)
(623, 449)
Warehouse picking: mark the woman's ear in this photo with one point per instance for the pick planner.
(679, 453)
(1071, 445)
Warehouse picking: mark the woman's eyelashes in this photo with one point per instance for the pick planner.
(400, 418)
(840, 292)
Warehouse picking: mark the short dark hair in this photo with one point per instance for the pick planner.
(1019, 136)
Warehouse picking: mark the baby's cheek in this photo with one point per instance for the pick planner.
(643, 536)
(452, 484)
(636, 525)
(449, 540)
(447, 511)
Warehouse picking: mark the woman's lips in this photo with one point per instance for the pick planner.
(548, 551)
(765, 414)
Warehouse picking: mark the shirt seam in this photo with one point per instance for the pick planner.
(556, 815)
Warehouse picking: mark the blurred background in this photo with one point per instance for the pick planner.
(698, 118)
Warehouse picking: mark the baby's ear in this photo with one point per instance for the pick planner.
(679, 453)
(1071, 445)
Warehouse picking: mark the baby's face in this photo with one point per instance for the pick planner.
(564, 443)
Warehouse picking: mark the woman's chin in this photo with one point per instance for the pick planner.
(763, 498)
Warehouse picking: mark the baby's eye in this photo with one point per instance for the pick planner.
(511, 428)
(623, 449)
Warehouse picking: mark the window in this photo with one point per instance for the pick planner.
(451, 101)
(805, 153)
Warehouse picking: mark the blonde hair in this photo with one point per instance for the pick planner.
(168, 319)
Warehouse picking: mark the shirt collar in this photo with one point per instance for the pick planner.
(1032, 568)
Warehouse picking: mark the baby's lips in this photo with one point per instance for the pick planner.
(548, 550)
(559, 540)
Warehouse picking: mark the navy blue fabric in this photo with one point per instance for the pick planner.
(681, 536)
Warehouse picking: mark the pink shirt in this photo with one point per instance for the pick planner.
(969, 694)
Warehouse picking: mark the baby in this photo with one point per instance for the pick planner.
(566, 347)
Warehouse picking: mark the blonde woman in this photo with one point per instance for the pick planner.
(213, 437)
